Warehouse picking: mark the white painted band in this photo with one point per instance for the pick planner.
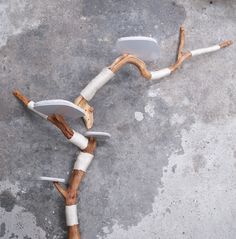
(83, 161)
(31, 107)
(71, 215)
(95, 84)
(205, 50)
(160, 73)
(79, 140)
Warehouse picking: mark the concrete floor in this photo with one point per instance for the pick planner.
(169, 170)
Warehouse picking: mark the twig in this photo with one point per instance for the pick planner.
(181, 42)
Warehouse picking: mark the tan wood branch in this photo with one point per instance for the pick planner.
(124, 59)
(71, 193)
(181, 42)
(130, 59)
(88, 118)
(61, 124)
(60, 189)
(21, 97)
(180, 61)
(226, 43)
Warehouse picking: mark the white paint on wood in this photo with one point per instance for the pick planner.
(83, 161)
(98, 82)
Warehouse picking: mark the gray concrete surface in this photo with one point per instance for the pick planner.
(169, 170)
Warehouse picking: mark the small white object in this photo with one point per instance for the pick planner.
(71, 215)
(95, 84)
(31, 107)
(79, 140)
(98, 135)
(205, 50)
(60, 107)
(160, 73)
(138, 116)
(83, 161)
(60, 180)
(145, 48)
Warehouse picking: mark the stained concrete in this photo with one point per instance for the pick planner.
(169, 169)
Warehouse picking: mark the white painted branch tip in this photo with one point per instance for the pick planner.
(201, 51)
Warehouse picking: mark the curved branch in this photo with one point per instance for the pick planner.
(134, 61)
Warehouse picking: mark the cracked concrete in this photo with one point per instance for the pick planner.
(169, 169)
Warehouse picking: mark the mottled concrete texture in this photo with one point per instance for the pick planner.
(169, 170)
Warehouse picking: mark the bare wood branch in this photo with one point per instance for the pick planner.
(60, 189)
(60, 123)
(180, 61)
(21, 97)
(134, 61)
(181, 42)
(226, 44)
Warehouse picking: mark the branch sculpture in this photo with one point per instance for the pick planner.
(88, 144)
(107, 73)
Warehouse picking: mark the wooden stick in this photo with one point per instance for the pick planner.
(21, 97)
(61, 124)
(70, 194)
(181, 42)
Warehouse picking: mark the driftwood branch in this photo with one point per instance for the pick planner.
(121, 61)
(21, 97)
(181, 57)
(70, 194)
(61, 124)
(181, 42)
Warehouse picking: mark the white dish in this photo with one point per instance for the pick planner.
(61, 107)
(98, 135)
(145, 48)
(61, 180)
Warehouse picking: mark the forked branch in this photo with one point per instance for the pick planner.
(70, 194)
(107, 73)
